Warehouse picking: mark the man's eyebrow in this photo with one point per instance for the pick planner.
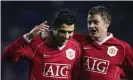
(66, 31)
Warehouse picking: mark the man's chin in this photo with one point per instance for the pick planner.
(93, 35)
(63, 43)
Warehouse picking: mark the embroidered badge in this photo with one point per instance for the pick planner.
(70, 54)
(112, 51)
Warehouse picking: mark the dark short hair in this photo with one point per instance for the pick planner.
(102, 11)
(64, 17)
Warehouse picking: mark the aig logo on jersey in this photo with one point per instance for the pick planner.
(95, 65)
(112, 51)
(70, 54)
(56, 70)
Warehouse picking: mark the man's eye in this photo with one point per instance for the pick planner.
(62, 31)
(70, 31)
(95, 22)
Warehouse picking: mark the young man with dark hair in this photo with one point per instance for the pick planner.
(54, 60)
(104, 57)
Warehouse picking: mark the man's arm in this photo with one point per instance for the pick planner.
(20, 48)
(127, 64)
(15, 50)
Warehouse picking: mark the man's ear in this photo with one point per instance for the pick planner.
(108, 23)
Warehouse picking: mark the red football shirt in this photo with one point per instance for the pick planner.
(105, 60)
(46, 61)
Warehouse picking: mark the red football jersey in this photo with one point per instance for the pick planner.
(46, 61)
(105, 60)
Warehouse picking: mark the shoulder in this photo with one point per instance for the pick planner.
(36, 42)
(121, 42)
(74, 42)
(126, 46)
(76, 45)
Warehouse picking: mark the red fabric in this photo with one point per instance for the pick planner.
(99, 61)
(45, 60)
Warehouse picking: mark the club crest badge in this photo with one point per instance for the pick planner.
(112, 51)
(70, 54)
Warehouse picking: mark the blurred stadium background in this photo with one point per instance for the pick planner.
(19, 17)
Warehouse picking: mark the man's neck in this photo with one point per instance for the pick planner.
(100, 39)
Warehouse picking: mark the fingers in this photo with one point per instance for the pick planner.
(39, 28)
(48, 38)
(44, 22)
(44, 25)
(47, 35)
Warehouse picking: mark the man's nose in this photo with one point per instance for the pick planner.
(66, 35)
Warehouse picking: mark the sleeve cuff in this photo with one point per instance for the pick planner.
(26, 39)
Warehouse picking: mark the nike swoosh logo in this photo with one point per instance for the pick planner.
(46, 55)
(87, 48)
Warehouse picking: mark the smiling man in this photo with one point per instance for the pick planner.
(57, 59)
(104, 57)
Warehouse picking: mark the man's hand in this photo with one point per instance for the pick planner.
(37, 30)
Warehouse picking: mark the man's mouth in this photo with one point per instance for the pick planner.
(93, 31)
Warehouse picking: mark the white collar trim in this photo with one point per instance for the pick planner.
(107, 38)
(60, 48)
